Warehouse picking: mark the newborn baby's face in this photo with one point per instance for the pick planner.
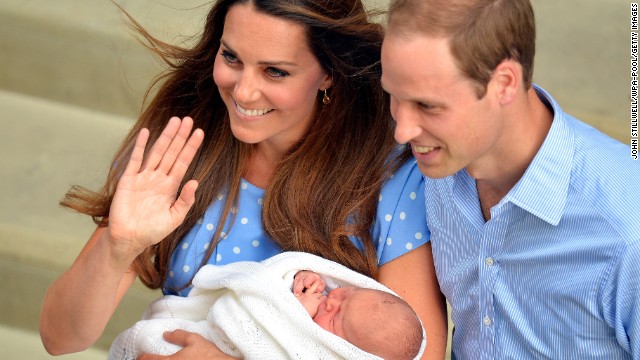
(333, 309)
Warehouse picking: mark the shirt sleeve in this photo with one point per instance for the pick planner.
(400, 225)
(621, 299)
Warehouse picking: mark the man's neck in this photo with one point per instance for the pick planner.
(530, 123)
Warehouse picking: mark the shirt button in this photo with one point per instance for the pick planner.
(486, 321)
(488, 261)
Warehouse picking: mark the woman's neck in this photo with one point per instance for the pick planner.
(261, 165)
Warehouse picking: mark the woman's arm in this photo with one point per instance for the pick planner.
(79, 304)
(144, 211)
(412, 276)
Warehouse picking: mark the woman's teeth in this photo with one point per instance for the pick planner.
(423, 149)
(254, 112)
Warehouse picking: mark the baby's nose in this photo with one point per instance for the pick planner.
(331, 302)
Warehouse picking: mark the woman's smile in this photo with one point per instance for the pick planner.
(252, 112)
(264, 64)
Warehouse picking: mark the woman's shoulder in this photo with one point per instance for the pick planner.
(400, 219)
(406, 174)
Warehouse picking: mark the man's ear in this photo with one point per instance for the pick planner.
(507, 79)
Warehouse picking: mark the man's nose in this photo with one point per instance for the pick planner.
(407, 126)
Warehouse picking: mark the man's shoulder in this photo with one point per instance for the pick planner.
(606, 176)
(598, 156)
(592, 151)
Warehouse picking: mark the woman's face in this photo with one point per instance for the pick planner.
(268, 77)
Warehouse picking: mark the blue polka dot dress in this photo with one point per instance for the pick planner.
(400, 226)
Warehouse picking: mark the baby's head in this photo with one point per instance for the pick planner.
(375, 321)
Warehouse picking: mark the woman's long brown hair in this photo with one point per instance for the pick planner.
(325, 188)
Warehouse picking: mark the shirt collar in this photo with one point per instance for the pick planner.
(542, 190)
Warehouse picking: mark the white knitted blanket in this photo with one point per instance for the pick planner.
(248, 311)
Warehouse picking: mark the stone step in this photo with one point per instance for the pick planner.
(18, 344)
(46, 147)
(81, 52)
(24, 286)
(49, 146)
(72, 79)
(583, 60)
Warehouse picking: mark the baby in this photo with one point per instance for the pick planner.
(249, 309)
(375, 321)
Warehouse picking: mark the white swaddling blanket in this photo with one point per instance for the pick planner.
(248, 311)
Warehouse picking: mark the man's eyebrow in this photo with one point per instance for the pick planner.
(266, 63)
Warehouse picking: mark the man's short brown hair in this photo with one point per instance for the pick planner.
(481, 33)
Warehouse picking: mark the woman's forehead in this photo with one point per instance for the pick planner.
(247, 27)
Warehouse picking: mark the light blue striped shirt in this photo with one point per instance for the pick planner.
(555, 273)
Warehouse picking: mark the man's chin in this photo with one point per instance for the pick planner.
(434, 172)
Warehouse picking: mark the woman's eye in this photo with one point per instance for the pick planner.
(229, 57)
(274, 72)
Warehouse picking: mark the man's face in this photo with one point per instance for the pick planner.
(436, 108)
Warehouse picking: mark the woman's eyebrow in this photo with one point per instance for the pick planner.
(265, 63)
(278, 63)
(226, 45)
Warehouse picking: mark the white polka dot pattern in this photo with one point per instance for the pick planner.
(399, 218)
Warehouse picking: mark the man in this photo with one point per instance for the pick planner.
(534, 215)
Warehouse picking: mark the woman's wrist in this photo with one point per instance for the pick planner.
(120, 253)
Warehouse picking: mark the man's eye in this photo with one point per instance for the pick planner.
(425, 106)
(275, 72)
(229, 57)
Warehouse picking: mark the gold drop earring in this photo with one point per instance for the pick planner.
(326, 99)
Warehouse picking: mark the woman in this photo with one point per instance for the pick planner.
(293, 150)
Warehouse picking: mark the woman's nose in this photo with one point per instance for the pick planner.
(247, 88)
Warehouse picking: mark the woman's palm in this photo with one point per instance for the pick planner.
(145, 207)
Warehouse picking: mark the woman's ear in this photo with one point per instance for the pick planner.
(326, 83)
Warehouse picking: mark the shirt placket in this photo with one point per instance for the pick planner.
(488, 269)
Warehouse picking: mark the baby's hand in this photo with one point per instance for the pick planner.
(311, 301)
(307, 282)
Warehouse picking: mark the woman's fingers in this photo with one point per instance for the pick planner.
(175, 148)
(185, 201)
(183, 160)
(137, 154)
(194, 346)
(162, 144)
(176, 145)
